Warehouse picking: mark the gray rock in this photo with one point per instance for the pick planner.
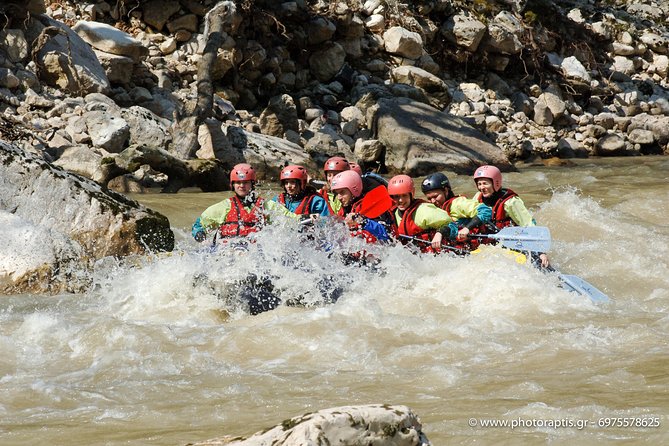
(68, 62)
(641, 136)
(431, 84)
(214, 143)
(606, 120)
(188, 22)
(350, 425)
(465, 31)
(569, 148)
(14, 43)
(35, 100)
(117, 68)
(327, 142)
(420, 139)
(74, 220)
(504, 34)
(279, 116)
(574, 69)
(8, 80)
(375, 23)
(110, 40)
(107, 130)
(140, 94)
(610, 144)
(320, 30)
(266, 153)
(542, 113)
(326, 63)
(403, 42)
(370, 150)
(80, 160)
(146, 128)
(158, 12)
(77, 129)
(655, 42)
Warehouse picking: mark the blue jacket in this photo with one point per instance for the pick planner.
(318, 204)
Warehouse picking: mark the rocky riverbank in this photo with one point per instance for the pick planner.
(98, 88)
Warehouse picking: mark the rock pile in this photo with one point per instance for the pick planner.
(97, 87)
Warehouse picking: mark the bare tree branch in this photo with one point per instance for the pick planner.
(184, 134)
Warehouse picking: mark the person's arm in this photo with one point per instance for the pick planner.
(429, 216)
(212, 217)
(197, 231)
(516, 210)
(320, 207)
(277, 208)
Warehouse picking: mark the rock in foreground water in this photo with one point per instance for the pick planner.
(349, 425)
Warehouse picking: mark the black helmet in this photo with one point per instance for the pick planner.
(435, 181)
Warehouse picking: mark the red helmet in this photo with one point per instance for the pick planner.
(242, 172)
(294, 173)
(348, 179)
(336, 164)
(355, 167)
(401, 184)
(492, 173)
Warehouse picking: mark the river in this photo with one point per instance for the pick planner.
(147, 356)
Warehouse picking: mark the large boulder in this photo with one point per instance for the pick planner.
(64, 60)
(420, 139)
(349, 425)
(110, 40)
(75, 219)
(267, 154)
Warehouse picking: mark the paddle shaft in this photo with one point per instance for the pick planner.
(420, 240)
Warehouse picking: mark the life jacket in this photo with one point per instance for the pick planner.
(500, 219)
(304, 208)
(448, 203)
(239, 222)
(407, 225)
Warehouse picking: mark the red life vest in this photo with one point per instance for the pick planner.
(239, 221)
(304, 208)
(408, 226)
(499, 216)
(448, 203)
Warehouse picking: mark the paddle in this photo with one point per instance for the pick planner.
(522, 238)
(580, 286)
(420, 240)
(376, 202)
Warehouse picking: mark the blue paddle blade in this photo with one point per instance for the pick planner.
(522, 238)
(580, 286)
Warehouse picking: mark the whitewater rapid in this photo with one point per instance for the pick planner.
(150, 354)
